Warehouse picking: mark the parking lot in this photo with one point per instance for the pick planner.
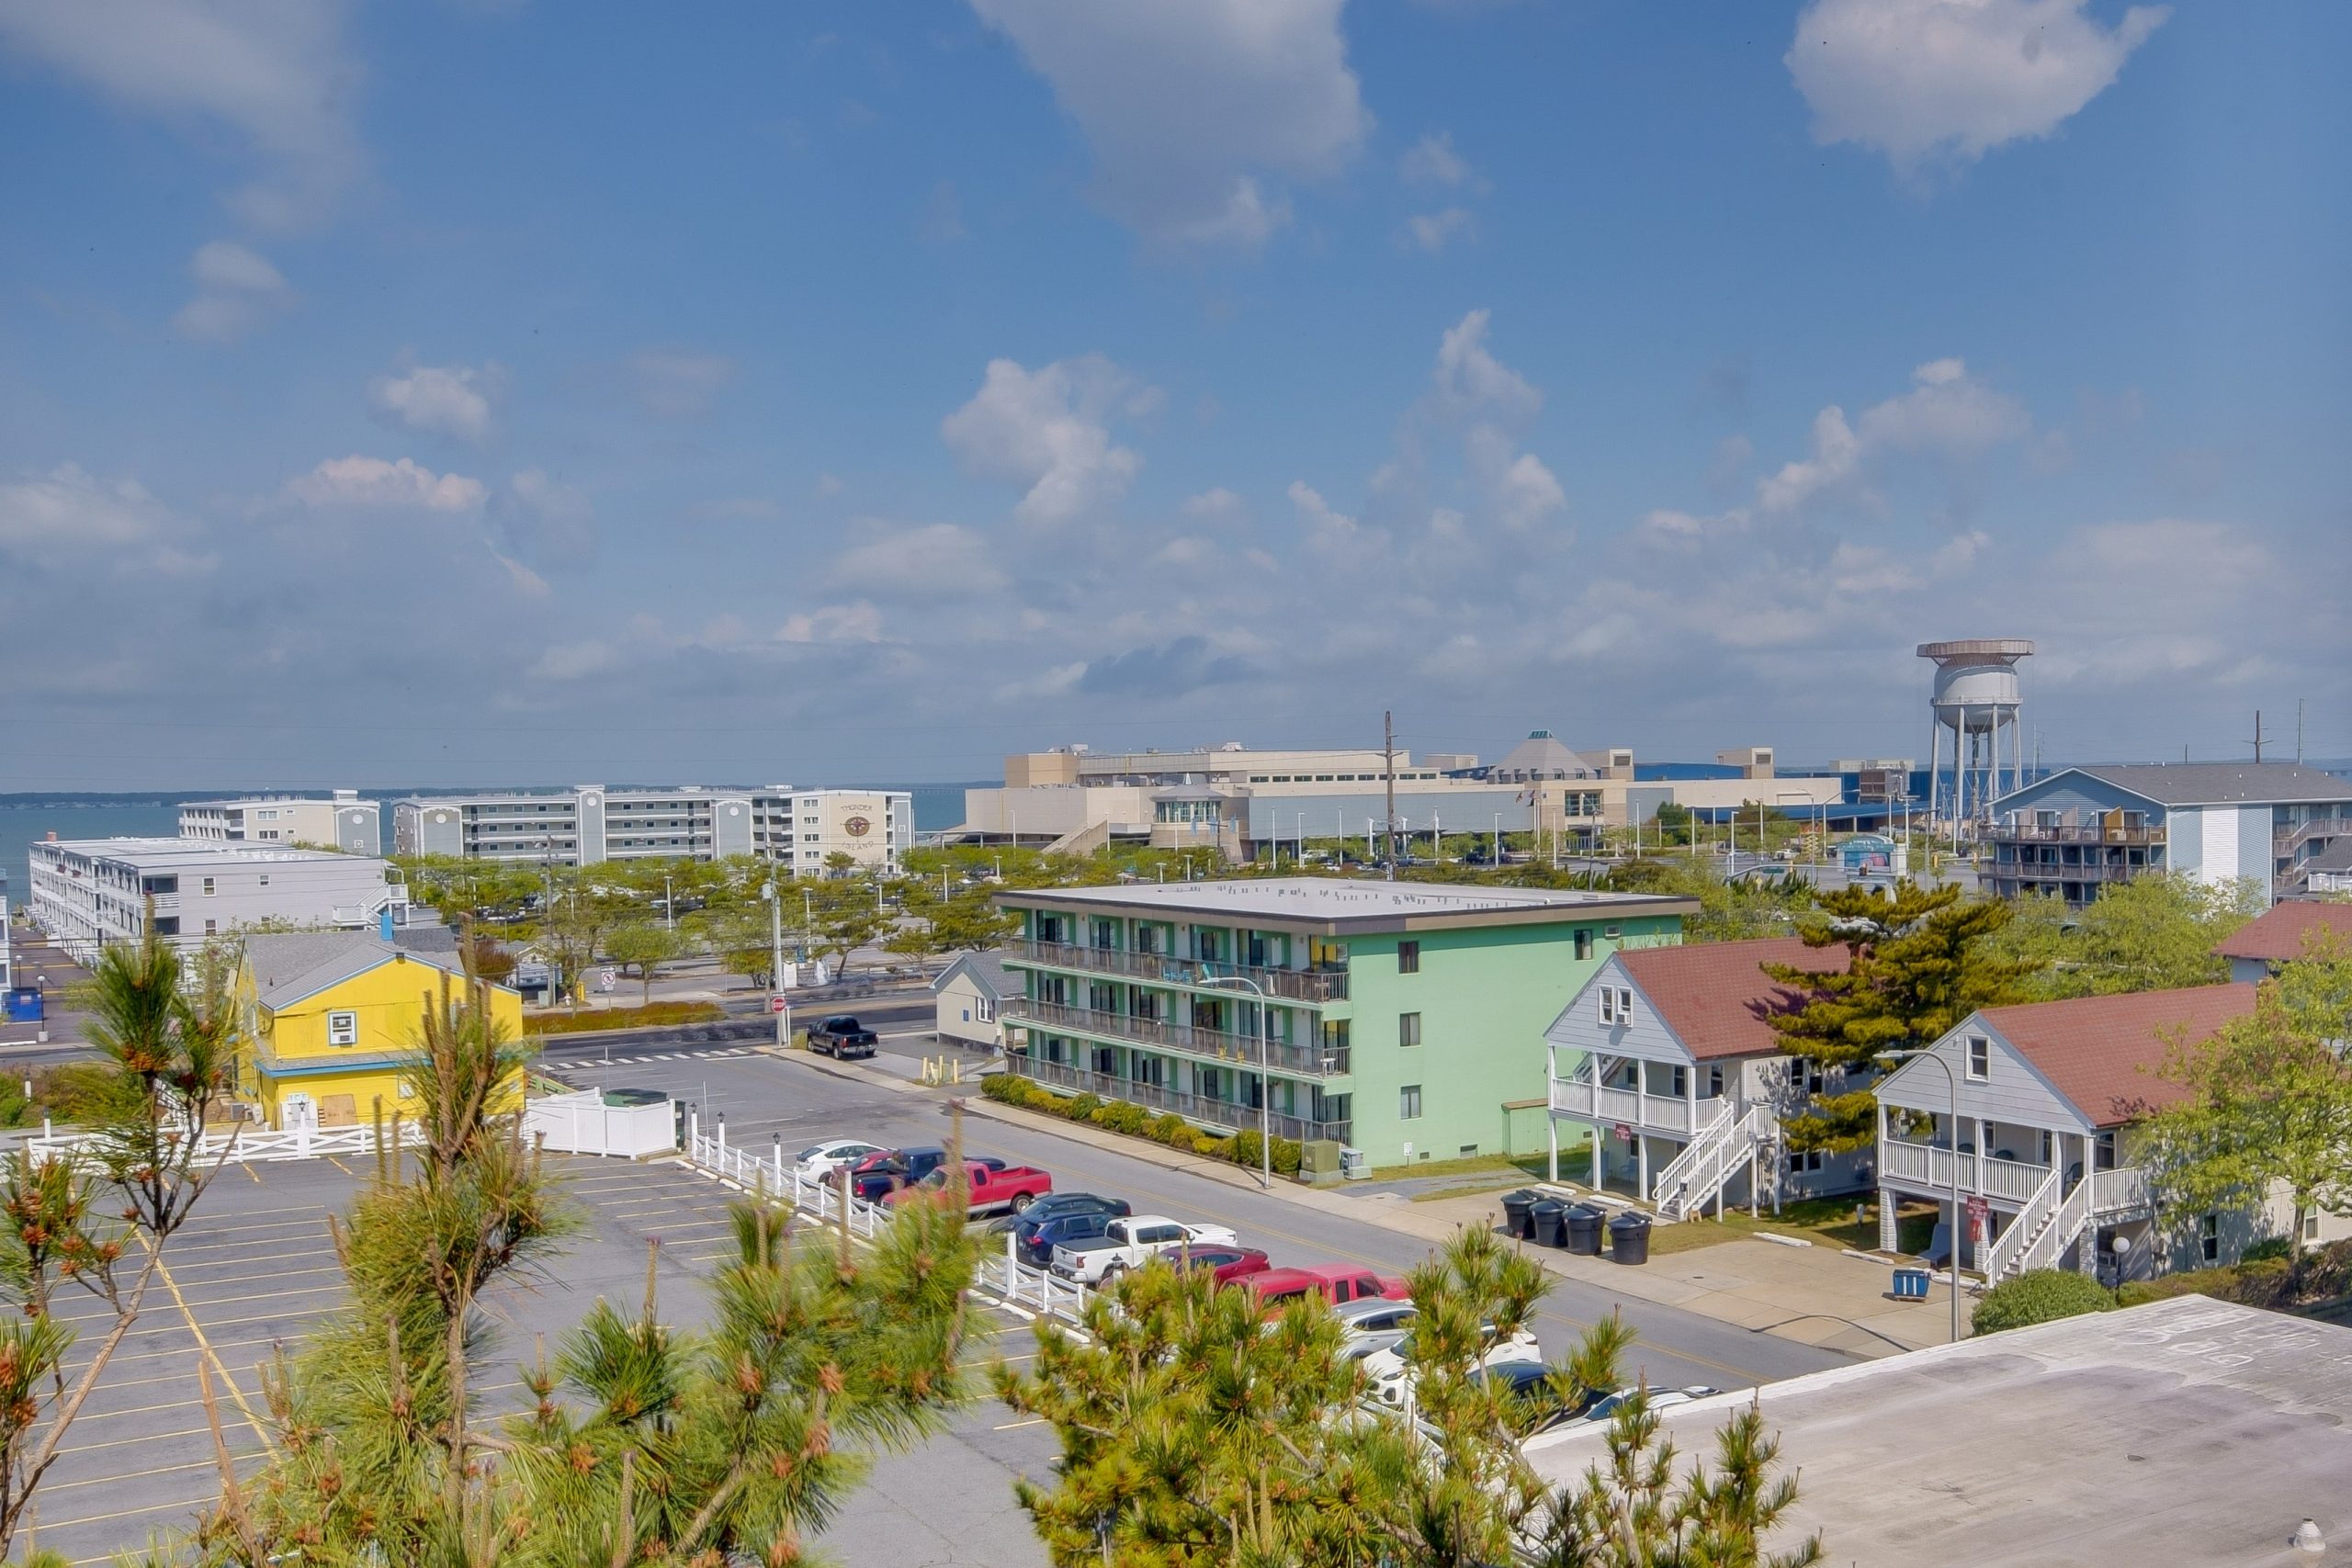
(256, 1270)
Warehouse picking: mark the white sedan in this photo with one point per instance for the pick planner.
(820, 1161)
(1389, 1371)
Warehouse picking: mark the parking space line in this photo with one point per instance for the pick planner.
(147, 1438)
(120, 1514)
(204, 1345)
(219, 1300)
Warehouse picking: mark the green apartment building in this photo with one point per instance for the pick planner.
(1405, 1019)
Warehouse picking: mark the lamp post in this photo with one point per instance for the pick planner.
(1953, 1080)
(776, 963)
(1265, 1085)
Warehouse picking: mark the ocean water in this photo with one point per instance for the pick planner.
(937, 807)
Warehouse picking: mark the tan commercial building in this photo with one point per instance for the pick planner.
(342, 821)
(799, 829)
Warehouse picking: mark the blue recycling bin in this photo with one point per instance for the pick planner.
(1910, 1284)
(23, 1004)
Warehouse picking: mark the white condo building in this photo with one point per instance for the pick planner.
(592, 823)
(89, 893)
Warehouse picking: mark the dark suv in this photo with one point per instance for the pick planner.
(1063, 1220)
(894, 1168)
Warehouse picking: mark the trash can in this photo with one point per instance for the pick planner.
(1546, 1215)
(1583, 1226)
(1629, 1238)
(1910, 1284)
(1518, 1218)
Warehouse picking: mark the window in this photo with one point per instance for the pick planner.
(1616, 1005)
(1681, 1083)
(2102, 1151)
(208, 887)
(167, 925)
(2309, 1221)
(343, 1029)
(160, 885)
(212, 928)
(1584, 943)
(265, 879)
(1979, 1059)
(1408, 1029)
(1806, 1162)
(1805, 1073)
(1408, 1103)
(1714, 1083)
(1469, 1151)
(2208, 1238)
(984, 1010)
(1409, 958)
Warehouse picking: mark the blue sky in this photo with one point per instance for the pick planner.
(456, 392)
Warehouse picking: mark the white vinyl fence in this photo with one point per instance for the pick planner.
(243, 1144)
(1005, 1280)
(581, 1123)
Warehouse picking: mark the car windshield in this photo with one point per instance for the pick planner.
(938, 1178)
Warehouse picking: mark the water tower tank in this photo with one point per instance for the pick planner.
(1976, 698)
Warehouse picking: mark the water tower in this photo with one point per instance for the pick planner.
(1976, 701)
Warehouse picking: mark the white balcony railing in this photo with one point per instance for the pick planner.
(2003, 1180)
(2120, 1192)
(1650, 1113)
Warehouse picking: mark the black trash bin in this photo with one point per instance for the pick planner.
(1584, 1230)
(1629, 1238)
(1518, 1216)
(1548, 1214)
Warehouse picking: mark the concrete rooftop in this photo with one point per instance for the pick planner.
(1356, 903)
(2184, 1432)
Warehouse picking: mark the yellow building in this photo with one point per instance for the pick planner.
(330, 1017)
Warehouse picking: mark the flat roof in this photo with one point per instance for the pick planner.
(181, 851)
(2183, 1432)
(1346, 902)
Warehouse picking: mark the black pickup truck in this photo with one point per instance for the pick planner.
(842, 1037)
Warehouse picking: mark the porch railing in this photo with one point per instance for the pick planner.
(1699, 1172)
(2120, 1192)
(1217, 1043)
(1167, 969)
(2005, 1181)
(2006, 1256)
(1651, 1113)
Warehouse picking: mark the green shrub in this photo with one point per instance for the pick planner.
(2269, 1247)
(1172, 1130)
(1120, 1116)
(1010, 1089)
(1289, 1153)
(1212, 1147)
(1083, 1108)
(2039, 1295)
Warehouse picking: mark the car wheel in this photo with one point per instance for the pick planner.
(1111, 1272)
(1021, 1200)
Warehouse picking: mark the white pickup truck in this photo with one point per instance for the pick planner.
(1130, 1243)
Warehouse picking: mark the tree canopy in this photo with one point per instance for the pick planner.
(2154, 932)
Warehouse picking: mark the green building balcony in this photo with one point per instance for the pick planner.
(1167, 969)
(1190, 1040)
(1222, 1115)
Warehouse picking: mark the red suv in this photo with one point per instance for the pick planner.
(1335, 1283)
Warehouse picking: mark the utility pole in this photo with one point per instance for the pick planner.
(1388, 754)
(2258, 735)
(776, 962)
(2298, 732)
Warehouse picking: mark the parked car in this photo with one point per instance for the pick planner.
(1035, 1248)
(990, 1186)
(842, 1037)
(820, 1161)
(1391, 1369)
(1606, 1407)
(890, 1170)
(1335, 1283)
(1055, 1206)
(1131, 1242)
(1228, 1261)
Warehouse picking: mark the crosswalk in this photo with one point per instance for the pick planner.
(708, 1054)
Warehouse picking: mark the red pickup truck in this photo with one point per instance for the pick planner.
(1335, 1283)
(989, 1187)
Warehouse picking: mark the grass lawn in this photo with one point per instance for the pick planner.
(1506, 1171)
(1824, 1222)
(589, 1020)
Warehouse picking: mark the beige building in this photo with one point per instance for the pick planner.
(800, 828)
(342, 821)
(1233, 799)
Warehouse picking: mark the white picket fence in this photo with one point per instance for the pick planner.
(243, 1144)
(1007, 1281)
(581, 1123)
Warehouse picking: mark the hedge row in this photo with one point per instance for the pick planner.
(1119, 1116)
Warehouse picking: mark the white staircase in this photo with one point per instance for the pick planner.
(1693, 1178)
(2043, 1230)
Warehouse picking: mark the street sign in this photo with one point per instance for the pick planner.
(1624, 1130)
(1980, 1218)
(779, 1004)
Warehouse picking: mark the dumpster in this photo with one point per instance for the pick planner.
(1548, 1214)
(1910, 1284)
(1518, 1216)
(1583, 1226)
(1629, 1238)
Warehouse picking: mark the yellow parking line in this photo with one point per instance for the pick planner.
(142, 1438)
(204, 1345)
(219, 1300)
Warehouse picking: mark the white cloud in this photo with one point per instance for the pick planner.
(235, 289)
(1326, 529)
(1836, 458)
(936, 562)
(1047, 429)
(1190, 104)
(403, 484)
(1434, 230)
(1526, 492)
(1469, 378)
(1922, 80)
(67, 518)
(1947, 413)
(677, 383)
(276, 72)
(1432, 161)
(528, 584)
(452, 400)
(573, 661)
(860, 622)
(1217, 505)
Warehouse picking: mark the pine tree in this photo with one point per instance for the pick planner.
(1917, 963)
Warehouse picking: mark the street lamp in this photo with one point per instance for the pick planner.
(1953, 1079)
(779, 1003)
(1265, 1085)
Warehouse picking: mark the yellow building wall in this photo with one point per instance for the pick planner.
(290, 1054)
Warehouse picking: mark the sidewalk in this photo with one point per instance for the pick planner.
(1811, 1295)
